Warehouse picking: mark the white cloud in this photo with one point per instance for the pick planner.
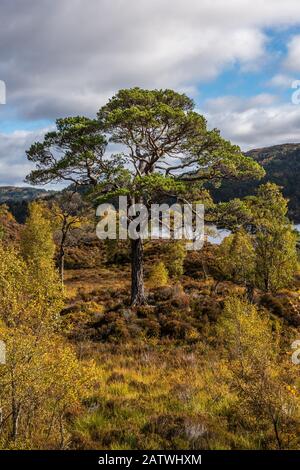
(61, 57)
(13, 163)
(237, 104)
(292, 61)
(252, 124)
(67, 56)
(281, 81)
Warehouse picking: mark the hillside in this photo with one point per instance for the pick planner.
(281, 162)
(17, 198)
(282, 165)
(13, 193)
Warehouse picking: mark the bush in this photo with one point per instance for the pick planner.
(151, 327)
(175, 254)
(286, 308)
(176, 329)
(260, 376)
(158, 276)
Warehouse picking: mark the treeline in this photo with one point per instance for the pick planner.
(282, 166)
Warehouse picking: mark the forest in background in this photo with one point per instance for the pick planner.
(282, 166)
(280, 162)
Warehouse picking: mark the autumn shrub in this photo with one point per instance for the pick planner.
(284, 307)
(41, 382)
(160, 294)
(9, 227)
(180, 299)
(236, 257)
(83, 256)
(117, 252)
(197, 263)
(174, 256)
(266, 387)
(202, 306)
(145, 311)
(37, 244)
(175, 328)
(42, 378)
(117, 326)
(158, 276)
(150, 327)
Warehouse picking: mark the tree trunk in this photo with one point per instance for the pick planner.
(137, 273)
(250, 292)
(277, 434)
(15, 423)
(62, 252)
(15, 411)
(61, 263)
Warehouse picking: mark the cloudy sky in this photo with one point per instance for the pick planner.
(236, 58)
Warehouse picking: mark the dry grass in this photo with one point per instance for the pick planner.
(158, 390)
(149, 398)
(100, 279)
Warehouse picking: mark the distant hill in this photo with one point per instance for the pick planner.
(281, 162)
(13, 193)
(282, 165)
(17, 199)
